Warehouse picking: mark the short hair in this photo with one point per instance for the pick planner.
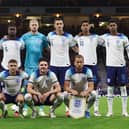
(43, 59)
(113, 21)
(12, 61)
(11, 25)
(33, 20)
(84, 21)
(78, 56)
(58, 19)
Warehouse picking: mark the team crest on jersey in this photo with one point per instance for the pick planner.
(81, 43)
(17, 80)
(39, 40)
(63, 40)
(118, 43)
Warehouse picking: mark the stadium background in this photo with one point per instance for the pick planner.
(72, 11)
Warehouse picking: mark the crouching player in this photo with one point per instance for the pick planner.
(43, 88)
(79, 82)
(11, 93)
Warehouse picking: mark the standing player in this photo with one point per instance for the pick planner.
(35, 44)
(60, 42)
(11, 47)
(11, 93)
(87, 44)
(79, 82)
(43, 88)
(115, 44)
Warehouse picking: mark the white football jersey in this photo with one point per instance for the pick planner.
(115, 45)
(59, 45)
(12, 84)
(79, 81)
(87, 48)
(11, 50)
(43, 83)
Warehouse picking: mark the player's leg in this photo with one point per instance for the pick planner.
(20, 103)
(2, 105)
(96, 81)
(30, 102)
(110, 89)
(122, 80)
(66, 102)
(90, 101)
(62, 72)
(25, 108)
(57, 101)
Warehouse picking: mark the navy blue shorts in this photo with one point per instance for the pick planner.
(10, 99)
(94, 70)
(47, 102)
(60, 73)
(117, 76)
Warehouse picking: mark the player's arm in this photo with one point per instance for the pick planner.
(67, 82)
(69, 89)
(74, 45)
(56, 88)
(2, 76)
(31, 90)
(88, 90)
(75, 49)
(101, 40)
(46, 53)
(90, 84)
(126, 45)
(46, 48)
(25, 77)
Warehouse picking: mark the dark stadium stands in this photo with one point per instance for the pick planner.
(64, 2)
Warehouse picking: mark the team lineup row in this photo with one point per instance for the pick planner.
(85, 44)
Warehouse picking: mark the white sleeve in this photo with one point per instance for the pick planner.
(22, 44)
(53, 77)
(2, 75)
(126, 45)
(1, 43)
(73, 42)
(67, 75)
(24, 75)
(32, 78)
(101, 40)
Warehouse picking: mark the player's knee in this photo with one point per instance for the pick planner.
(20, 98)
(28, 97)
(1, 103)
(60, 97)
(92, 95)
(2, 97)
(66, 98)
(123, 91)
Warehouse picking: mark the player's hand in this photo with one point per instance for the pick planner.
(44, 96)
(74, 92)
(5, 37)
(39, 96)
(83, 94)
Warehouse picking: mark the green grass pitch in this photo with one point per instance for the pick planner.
(61, 122)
